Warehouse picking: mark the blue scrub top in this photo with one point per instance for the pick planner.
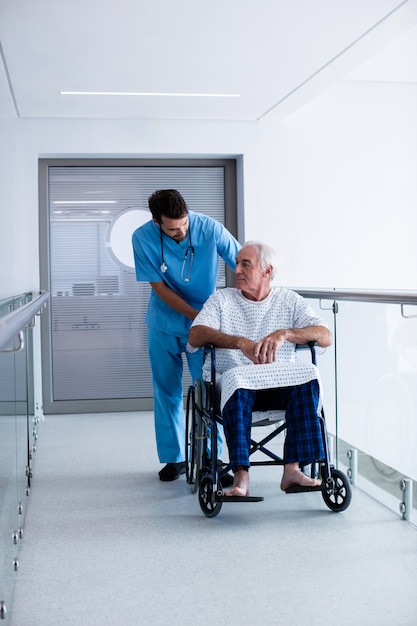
(210, 239)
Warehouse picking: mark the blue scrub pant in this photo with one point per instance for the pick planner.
(165, 354)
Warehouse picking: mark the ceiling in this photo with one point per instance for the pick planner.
(240, 59)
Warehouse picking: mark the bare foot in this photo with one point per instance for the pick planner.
(240, 484)
(294, 476)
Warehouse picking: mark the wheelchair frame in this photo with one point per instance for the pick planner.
(204, 471)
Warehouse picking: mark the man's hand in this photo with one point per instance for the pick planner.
(266, 349)
(263, 351)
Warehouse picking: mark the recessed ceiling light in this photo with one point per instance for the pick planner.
(145, 93)
(84, 202)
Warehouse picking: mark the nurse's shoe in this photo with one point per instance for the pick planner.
(171, 471)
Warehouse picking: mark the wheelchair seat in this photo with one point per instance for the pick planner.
(266, 418)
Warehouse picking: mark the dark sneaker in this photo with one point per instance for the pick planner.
(171, 471)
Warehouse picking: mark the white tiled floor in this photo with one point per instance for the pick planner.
(107, 544)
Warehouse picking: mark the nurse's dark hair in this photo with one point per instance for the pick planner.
(266, 255)
(167, 203)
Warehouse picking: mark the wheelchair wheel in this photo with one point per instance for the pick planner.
(193, 434)
(208, 505)
(336, 492)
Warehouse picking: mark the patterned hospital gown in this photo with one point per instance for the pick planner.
(229, 311)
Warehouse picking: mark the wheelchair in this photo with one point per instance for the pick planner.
(204, 471)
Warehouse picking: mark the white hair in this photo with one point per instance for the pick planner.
(266, 255)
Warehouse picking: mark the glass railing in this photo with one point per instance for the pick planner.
(370, 391)
(369, 380)
(19, 415)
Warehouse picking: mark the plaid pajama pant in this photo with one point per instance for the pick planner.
(303, 442)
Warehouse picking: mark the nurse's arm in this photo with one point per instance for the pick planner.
(173, 300)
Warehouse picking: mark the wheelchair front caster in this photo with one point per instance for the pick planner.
(207, 498)
(336, 491)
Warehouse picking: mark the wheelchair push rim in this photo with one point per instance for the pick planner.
(193, 434)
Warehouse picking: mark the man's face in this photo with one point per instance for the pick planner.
(176, 229)
(250, 278)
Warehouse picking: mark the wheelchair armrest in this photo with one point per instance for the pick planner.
(311, 345)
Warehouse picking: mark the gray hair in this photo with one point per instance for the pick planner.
(266, 255)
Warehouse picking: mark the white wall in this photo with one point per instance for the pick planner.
(24, 141)
(338, 189)
(333, 186)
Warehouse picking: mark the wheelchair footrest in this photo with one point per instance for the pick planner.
(239, 498)
(301, 489)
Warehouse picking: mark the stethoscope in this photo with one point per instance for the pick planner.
(188, 257)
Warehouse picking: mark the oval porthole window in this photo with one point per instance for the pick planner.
(119, 235)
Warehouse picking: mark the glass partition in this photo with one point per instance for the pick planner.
(16, 444)
(377, 368)
(370, 401)
(370, 395)
(8, 478)
(9, 517)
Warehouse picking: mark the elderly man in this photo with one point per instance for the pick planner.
(256, 328)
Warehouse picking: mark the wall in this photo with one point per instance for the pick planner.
(338, 190)
(24, 141)
(333, 186)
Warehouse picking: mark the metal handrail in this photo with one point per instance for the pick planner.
(386, 297)
(14, 322)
